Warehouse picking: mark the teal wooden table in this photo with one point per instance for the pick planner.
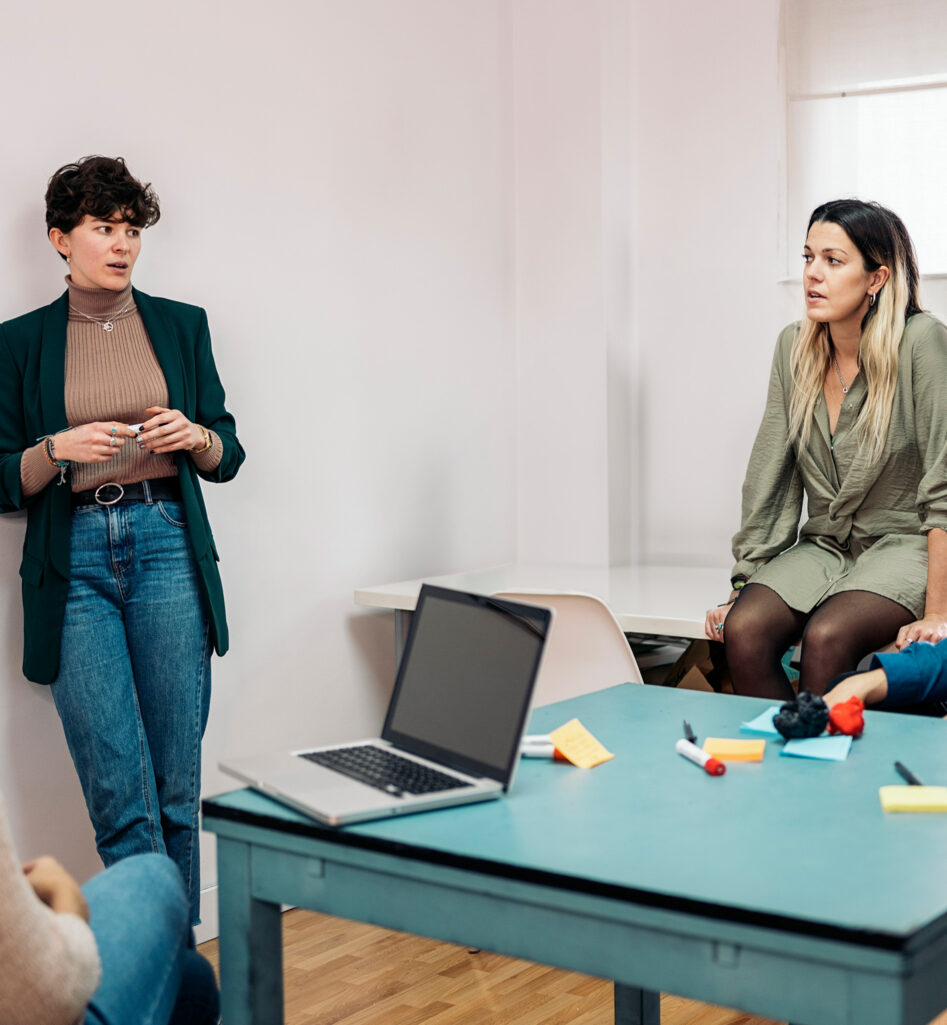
(779, 889)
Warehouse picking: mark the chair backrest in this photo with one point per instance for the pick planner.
(586, 649)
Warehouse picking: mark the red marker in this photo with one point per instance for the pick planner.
(540, 745)
(707, 762)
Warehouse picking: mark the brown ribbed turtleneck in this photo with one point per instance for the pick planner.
(110, 375)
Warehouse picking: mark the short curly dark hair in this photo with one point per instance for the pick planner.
(100, 187)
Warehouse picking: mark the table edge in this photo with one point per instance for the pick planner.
(877, 940)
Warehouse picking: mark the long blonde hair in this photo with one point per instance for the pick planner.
(882, 240)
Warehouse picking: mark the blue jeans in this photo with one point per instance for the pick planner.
(150, 974)
(133, 689)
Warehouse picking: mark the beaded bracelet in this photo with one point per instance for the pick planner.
(49, 452)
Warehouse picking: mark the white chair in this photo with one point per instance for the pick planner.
(586, 649)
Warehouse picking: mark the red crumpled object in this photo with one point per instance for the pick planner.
(847, 717)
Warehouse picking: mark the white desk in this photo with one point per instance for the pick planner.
(650, 601)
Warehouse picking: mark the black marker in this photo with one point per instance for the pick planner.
(689, 733)
(905, 773)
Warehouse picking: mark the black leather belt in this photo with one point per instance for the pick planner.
(161, 489)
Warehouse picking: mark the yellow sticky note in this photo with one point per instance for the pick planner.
(725, 750)
(901, 798)
(575, 743)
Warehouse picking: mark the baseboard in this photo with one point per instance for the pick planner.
(207, 930)
(209, 927)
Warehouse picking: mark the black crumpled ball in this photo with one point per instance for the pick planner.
(805, 716)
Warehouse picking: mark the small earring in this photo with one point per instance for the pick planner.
(872, 296)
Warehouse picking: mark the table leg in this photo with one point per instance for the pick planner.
(251, 943)
(634, 1006)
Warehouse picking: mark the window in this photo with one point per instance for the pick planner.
(866, 115)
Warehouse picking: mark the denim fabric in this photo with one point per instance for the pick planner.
(133, 689)
(150, 976)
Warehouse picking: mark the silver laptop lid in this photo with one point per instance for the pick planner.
(465, 681)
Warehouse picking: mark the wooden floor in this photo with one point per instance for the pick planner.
(344, 973)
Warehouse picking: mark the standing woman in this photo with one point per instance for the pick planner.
(110, 410)
(855, 420)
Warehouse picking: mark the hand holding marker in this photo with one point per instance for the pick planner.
(687, 747)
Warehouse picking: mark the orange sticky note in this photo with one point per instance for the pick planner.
(578, 746)
(725, 750)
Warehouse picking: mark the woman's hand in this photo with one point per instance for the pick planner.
(55, 887)
(92, 443)
(168, 430)
(713, 624)
(871, 687)
(931, 628)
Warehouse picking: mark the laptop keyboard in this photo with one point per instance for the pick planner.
(384, 770)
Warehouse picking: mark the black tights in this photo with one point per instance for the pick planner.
(836, 636)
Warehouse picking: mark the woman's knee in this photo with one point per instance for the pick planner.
(149, 882)
(825, 637)
(158, 875)
(747, 633)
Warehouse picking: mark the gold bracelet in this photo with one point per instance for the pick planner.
(208, 441)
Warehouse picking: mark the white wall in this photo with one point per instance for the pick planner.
(335, 179)
(646, 140)
(557, 133)
(706, 305)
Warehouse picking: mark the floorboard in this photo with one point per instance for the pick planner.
(346, 973)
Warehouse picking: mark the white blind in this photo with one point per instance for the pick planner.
(866, 84)
(852, 44)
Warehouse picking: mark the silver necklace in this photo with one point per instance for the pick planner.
(839, 372)
(107, 324)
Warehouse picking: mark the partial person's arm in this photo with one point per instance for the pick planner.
(928, 372)
(55, 887)
(933, 627)
(871, 687)
(50, 961)
(25, 468)
(915, 676)
(221, 462)
(168, 430)
(13, 441)
(772, 489)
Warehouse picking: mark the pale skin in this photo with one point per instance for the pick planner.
(101, 254)
(871, 687)
(838, 290)
(55, 887)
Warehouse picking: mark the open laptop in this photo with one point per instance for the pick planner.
(456, 717)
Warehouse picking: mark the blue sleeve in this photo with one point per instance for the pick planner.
(916, 675)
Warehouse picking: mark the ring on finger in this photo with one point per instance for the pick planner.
(112, 442)
(718, 626)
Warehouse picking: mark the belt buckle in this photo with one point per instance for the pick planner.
(109, 484)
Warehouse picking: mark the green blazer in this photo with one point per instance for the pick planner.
(32, 405)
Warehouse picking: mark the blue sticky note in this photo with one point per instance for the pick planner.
(763, 723)
(830, 749)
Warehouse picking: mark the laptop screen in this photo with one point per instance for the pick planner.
(466, 679)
